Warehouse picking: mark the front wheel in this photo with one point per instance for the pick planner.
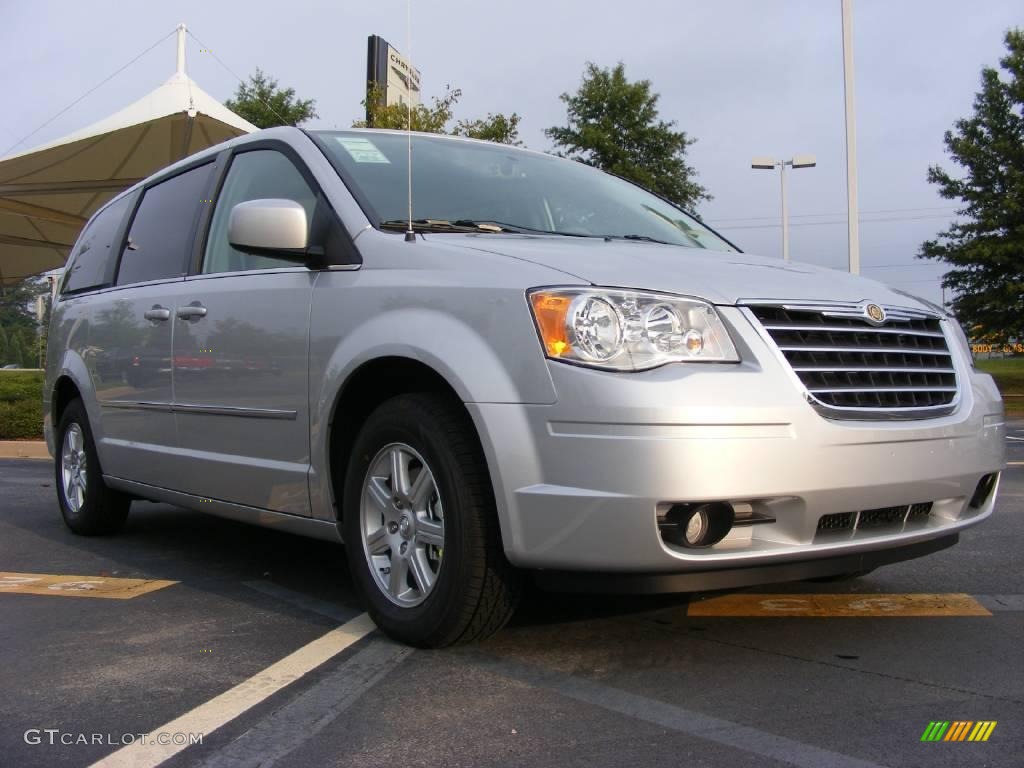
(421, 531)
(87, 505)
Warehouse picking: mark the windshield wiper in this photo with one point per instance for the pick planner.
(472, 225)
(644, 238)
(443, 225)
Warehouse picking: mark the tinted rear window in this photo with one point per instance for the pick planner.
(95, 255)
(160, 240)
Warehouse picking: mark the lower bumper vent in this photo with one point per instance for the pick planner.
(883, 517)
(876, 518)
(985, 487)
(839, 522)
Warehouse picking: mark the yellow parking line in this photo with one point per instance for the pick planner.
(953, 604)
(78, 586)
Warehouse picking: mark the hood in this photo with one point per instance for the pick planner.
(716, 276)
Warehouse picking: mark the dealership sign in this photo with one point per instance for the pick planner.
(392, 72)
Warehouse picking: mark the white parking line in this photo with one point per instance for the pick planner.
(208, 717)
(299, 721)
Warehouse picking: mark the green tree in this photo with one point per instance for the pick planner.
(31, 342)
(614, 125)
(3, 346)
(431, 118)
(435, 117)
(16, 311)
(495, 127)
(265, 104)
(17, 352)
(985, 244)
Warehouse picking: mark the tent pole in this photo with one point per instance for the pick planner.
(181, 49)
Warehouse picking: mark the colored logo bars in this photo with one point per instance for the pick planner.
(958, 730)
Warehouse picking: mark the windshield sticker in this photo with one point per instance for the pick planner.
(362, 150)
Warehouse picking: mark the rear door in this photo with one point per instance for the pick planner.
(131, 327)
(241, 341)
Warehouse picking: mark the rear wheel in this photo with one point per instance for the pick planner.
(421, 531)
(87, 505)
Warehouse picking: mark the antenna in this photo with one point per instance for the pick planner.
(410, 236)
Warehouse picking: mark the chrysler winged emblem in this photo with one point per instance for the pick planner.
(875, 313)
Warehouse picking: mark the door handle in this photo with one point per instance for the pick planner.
(157, 313)
(192, 311)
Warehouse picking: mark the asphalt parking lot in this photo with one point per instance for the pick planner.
(243, 645)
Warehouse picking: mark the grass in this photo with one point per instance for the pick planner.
(1009, 375)
(21, 405)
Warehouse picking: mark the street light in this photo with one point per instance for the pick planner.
(770, 164)
(852, 216)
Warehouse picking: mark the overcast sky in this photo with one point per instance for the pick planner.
(743, 77)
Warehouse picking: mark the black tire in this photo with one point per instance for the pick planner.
(476, 589)
(103, 510)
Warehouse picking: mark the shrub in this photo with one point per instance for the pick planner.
(21, 405)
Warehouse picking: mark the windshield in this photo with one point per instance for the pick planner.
(464, 183)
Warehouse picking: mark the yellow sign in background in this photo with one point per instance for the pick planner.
(78, 586)
(951, 604)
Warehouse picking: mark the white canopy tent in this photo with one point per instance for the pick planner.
(48, 193)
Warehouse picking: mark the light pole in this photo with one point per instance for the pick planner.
(850, 108)
(770, 164)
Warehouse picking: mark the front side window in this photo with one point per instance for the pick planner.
(95, 255)
(160, 240)
(463, 183)
(256, 175)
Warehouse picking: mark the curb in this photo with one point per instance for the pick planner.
(23, 449)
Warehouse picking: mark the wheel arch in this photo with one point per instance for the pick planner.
(64, 391)
(372, 383)
(72, 379)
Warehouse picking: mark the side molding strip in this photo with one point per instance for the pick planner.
(212, 410)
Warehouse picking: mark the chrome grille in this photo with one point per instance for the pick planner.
(853, 368)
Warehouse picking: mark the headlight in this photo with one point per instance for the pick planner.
(628, 330)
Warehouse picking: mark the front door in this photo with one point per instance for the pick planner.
(241, 341)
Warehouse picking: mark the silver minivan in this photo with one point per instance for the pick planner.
(521, 366)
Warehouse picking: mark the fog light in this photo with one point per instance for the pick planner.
(698, 525)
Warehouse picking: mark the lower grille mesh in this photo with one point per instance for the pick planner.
(883, 517)
(874, 518)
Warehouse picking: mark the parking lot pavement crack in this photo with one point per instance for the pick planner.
(327, 608)
(845, 668)
(1002, 602)
(298, 721)
(670, 716)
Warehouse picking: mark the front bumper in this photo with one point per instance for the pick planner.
(736, 578)
(578, 484)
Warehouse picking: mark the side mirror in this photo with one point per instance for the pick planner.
(272, 227)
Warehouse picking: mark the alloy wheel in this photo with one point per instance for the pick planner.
(73, 463)
(402, 524)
